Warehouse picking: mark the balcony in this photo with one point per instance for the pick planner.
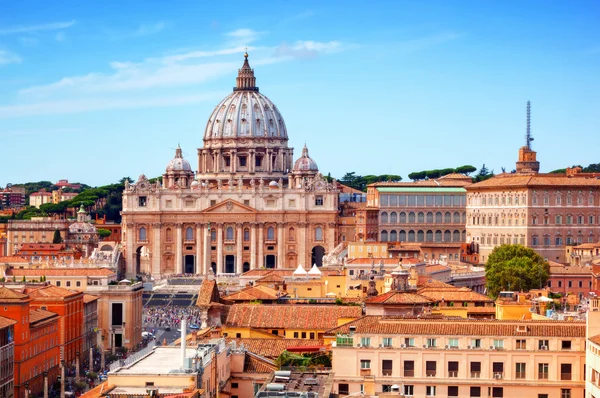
(409, 373)
(386, 372)
(542, 376)
(565, 376)
(430, 373)
(452, 374)
(520, 375)
(475, 375)
(498, 375)
(365, 372)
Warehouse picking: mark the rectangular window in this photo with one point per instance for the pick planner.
(409, 368)
(453, 369)
(497, 392)
(319, 200)
(498, 344)
(498, 370)
(453, 343)
(409, 390)
(565, 344)
(386, 367)
(565, 371)
(303, 335)
(521, 344)
(475, 370)
(365, 341)
(565, 393)
(365, 364)
(430, 368)
(453, 391)
(234, 385)
(387, 341)
(142, 201)
(343, 389)
(543, 371)
(475, 392)
(430, 391)
(117, 314)
(520, 370)
(542, 395)
(476, 343)
(430, 342)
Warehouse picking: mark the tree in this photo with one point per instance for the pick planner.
(483, 174)
(515, 267)
(57, 238)
(466, 169)
(104, 233)
(417, 175)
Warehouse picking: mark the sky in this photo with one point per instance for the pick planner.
(94, 91)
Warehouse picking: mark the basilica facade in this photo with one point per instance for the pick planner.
(249, 204)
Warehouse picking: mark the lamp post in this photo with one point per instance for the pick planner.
(62, 378)
(91, 366)
(45, 384)
(102, 358)
(26, 389)
(77, 366)
(112, 342)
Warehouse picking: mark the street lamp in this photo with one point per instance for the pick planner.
(62, 378)
(26, 389)
(77, 366)
(45, 384)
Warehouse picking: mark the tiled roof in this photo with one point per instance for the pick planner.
(270, 278)
(257, 364)
(13, 259)
(449, 180)
(6, 322)
(50, 291)
(303, 317)
(595, 339)
(283, 272)
(209, 293)
(88, 298)
(10, 294)
(470, 310)
(426, 282)
(396, 297)
(382, 260)
(379, 325)
(560, 269)
(456, 294)
(40, 315)
(534, 180)
(252, 293)
(60, 272)
(272, 348)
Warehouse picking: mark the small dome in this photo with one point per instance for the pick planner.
(178, 163)
(305, 163)
(195, 184)
(82, 227)
(273, 184)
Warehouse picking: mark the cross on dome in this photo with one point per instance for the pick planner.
(245, 80)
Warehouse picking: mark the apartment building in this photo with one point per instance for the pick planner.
(460, 358)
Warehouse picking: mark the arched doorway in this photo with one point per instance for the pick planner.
(142, 260)
(317, 255)
(230, 264)
(246, 267)
(188, 264)
(270, 261)
(213, 266)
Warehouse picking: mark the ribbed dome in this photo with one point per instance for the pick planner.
(178, 163)
(245, 113)
(305, 162)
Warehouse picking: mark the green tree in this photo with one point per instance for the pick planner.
(57, 238)
(515, 267)
(466, 169)
(104, 233)
(483, 174)
(417, 175)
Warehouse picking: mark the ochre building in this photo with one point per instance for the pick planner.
(249, 205)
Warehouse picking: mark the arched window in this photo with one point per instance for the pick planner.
(447, 236)
(291, 234)
(420, 236)
(319, 233)
(169, 235)
(384, 218)
(384, 236)
(447, 218)
(189, 233)
(456, 217)
(464, 236)
(421, 217)
(438, 217)
(142, 233)
(429, 217)
(411, 217)
(270, 233)
(464, 218)
(411, 236)
(403, 218)
(393, 236)
(402, 236)
(393, 217)
(229, 233)
(438, 236)
(429, 236)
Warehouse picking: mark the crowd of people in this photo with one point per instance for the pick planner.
(170, 316)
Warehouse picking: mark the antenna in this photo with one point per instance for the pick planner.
(528, 137)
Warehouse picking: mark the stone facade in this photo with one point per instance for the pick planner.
(247, 207)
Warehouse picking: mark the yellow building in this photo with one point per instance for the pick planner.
(367, 250)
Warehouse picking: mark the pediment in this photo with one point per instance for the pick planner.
(230, 206)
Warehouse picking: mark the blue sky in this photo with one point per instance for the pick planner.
(94, 91)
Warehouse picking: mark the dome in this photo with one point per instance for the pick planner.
(245, 113)
(178, 163)
(82, 227)
(273, 184)
(305, 162)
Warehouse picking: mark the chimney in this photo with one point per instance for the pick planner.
(183, 342)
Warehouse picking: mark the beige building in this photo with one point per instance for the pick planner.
(592, 360)
(249, 205)
(460, 358)
(545, 212)
(36, 230)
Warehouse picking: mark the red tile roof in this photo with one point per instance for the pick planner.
(451, 295)
(283, 272)
(88, 298)
(11, 294)
(595, 339)
(534, 180)
(13, 259)
(272, 348)
(209, 293)
(6, 322)
(252, 293)
(396, 297)
(49, 291)
(302, 317)
(60, 272)
(40, 315)
(42, 246)
(257, 364)
(461, 327)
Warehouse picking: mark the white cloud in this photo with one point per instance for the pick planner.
(307, 49)
(60, 36)
(36, 28)
(146, 30)
(244, 36)
(9, 58)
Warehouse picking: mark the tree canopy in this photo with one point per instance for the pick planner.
(360, 182)
(437, 173)
(516, 268)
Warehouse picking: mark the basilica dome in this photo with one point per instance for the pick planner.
(305, 162)
(178, 163)
(245, 113)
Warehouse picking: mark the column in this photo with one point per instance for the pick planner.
(280, 246)
(130, 236)
(62, 378)
(268, 159)
(77, 366)
(253, 246)
(91, 366)
(156, 250)
(220, 249)
(302, 245)
(206, 258)
(198, 260)
(179, 251)
(331, 235)
(252, 160)
(233, 157)
(45, 384)
(261, 245)
(215, 161)
(239, 264)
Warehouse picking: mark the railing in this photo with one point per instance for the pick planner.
(565, 376)
(430, 373)
(542, 376)
(452, 374)
(520, 375)
(133, 358)
(386, 372)
(475, 375)
(409, 373)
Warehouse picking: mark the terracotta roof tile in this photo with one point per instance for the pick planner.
(88, 298)
(42, 246)
(13, 259)
(396, 297)
(303, 317)
(257, 364)
(595, 339)
(272, 348)
(11, 294)
(40, 315)
(60, 272)
(379, 325)
(50, 291)
(270, 278)
(456, 294)
(209, 293)
(534, 180)
(282, 272)
(6, 322)
(252, 293)
(561, 269)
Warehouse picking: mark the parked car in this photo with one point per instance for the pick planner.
(194, 326)
(168, 329)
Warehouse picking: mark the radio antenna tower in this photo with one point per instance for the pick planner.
(528, 137)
